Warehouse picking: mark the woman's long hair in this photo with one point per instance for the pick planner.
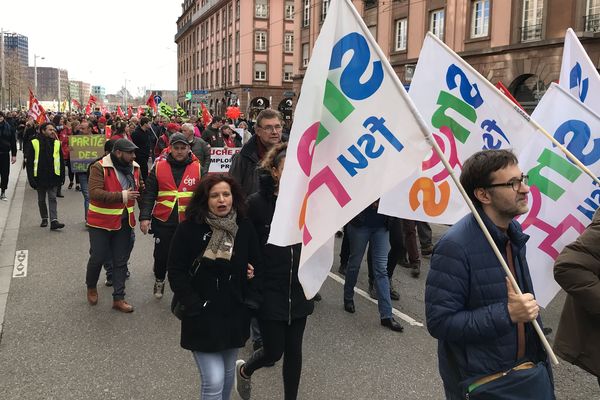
(197, 210)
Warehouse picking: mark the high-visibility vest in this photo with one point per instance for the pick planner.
(108, 215)
(169, 194)
(36, 156)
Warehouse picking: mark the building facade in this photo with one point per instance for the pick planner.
(80, 91)
(100, 93)
(236, 52)
(17, 44)
(517, 42)
(52, 83)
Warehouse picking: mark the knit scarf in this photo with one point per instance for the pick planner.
(224, 230)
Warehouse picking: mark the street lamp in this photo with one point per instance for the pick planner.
(35, 57)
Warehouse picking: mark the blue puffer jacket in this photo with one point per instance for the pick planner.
(466, 303)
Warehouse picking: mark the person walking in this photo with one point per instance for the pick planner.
(141, 138)
(199, 147)
(8, 154)
(46, 172)
(284, 308)
(211, 263)
(481, 323)
(114, 185)
(169, 188)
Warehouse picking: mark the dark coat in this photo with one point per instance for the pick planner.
(46, 178)
(201, 150)
(213, 137)
(8, 141)
(577, 271)
(282, 295)
(141, 139)
(216, 317)
(243, 166)
(466, 303)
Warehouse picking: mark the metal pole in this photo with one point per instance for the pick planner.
(35, 74)
(2, 69)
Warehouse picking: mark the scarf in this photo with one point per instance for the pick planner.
(126, 170)
(224, 230)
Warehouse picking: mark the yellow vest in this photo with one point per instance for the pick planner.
(55, 156)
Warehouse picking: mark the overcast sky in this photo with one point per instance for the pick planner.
(102, 43)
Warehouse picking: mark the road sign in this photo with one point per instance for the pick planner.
(157, 99)
(199, 92)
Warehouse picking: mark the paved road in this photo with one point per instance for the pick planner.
(55, 346)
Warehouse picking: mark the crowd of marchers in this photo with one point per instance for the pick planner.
(230, 285)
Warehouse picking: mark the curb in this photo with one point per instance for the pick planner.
(10, 220)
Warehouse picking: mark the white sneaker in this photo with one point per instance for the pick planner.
(3, 197)
(159, 289)
(243, 386)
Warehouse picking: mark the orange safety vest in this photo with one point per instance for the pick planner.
(169, 194)
(108, 215)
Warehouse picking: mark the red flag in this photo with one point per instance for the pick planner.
(92, 100)
(120, 112)
(88, 109)
(206, 117)
(139, 112)
(76, 104)
(507, 93)
(151, 103)
(36, 110)
(129, 112)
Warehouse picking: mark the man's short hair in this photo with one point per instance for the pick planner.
(187, 125)
(477, 170)
(144, 121)
(268, 113)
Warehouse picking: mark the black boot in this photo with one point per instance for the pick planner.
(54, 225)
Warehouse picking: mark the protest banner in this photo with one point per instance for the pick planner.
(578, 74)
(84, 149)
(356, 134)
(220, 158)
(562, 198)
(466, 114)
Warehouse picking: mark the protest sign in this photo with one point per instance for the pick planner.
(220, 158)
(84, 149)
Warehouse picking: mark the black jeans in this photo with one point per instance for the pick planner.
(49, 192)
(117, 244)
(4, 170)
(162, 243)
(279, 339)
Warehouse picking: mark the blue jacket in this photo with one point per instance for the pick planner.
(466, 303)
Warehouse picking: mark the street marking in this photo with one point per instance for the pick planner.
(397, 313)
(20, 268)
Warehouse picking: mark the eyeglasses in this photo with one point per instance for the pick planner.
(515, 184)
(271, 128)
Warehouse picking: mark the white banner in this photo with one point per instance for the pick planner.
(220, 158)
(465, 114)
(578, 74)
(355, 136)
(563, 198)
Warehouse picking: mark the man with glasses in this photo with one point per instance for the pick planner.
(268, 128)
(480, 322)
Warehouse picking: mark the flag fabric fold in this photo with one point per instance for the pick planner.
(36, 110)
(465, 114)
(206, 117)
(355, 136)
(152, 103)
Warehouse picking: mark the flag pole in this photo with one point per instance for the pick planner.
(436, 148)
(537, 126)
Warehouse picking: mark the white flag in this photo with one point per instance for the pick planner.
(563, 198)
(355, 136)
(465, 114)
(578, 74)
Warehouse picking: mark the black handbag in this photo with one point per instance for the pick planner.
(526, 381)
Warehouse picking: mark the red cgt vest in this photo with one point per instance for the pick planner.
(169, 193)
(108, 215)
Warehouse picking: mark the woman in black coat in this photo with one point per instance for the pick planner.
(210, 270)
(284, 308)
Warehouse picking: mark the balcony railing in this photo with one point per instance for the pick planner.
(531, 32)
(592, 23)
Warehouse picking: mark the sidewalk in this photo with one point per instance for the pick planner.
(10, 218)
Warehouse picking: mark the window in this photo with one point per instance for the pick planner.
(324, 8)
(260, 71)
(306, 14)
(480, 18)
(436, 23)
(532, 20)
(373, 30)
(305, 55)
(288, 43)
(223, 49)
(237, 72)
(260, 41)
(237, 42)
(400, 43)
(289, 9)
(287, 73)
(237, 9)
(261, 9)
(592, 16)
